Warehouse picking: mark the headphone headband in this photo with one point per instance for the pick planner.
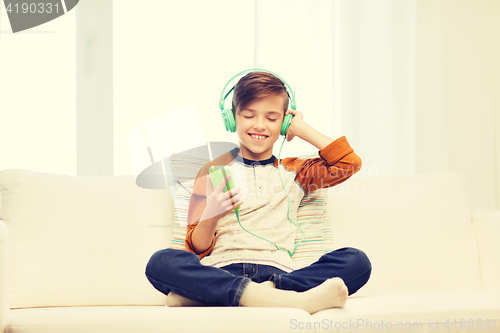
(291, 93)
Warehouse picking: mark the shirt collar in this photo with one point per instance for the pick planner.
(245, 161)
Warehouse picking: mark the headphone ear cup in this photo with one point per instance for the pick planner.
(286, 123)
(228, 119)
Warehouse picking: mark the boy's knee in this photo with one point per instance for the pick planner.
(360, 256)
(153, 263)
(163, 261)
(361, 267)
(352, 257)
(359, 259)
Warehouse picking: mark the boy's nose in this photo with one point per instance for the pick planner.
(259, 124)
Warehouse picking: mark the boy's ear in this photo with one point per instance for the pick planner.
(235, 114)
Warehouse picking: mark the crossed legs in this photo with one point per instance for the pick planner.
(324, 284)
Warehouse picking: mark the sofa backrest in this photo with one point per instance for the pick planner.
(86, 240)
(416, 230)
(81, 240)
(487, 228)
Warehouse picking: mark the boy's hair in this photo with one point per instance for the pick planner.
(256, 85)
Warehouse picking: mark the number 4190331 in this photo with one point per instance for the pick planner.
(33, 8)
(471, 324)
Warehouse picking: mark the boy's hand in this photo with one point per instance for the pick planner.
(220, 203)
(296, 125)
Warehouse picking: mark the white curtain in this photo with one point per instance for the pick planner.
(419, 88)
(375, 83)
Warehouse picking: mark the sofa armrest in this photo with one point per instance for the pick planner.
(4, 302)
(487, 227)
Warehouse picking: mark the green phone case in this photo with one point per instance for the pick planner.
(217, 173)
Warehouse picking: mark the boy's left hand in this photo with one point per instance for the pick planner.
(296, 124)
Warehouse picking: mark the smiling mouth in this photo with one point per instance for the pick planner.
(258, 137)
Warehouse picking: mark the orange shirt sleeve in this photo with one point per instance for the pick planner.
(336, 164)
(197, 204)
(189, 242)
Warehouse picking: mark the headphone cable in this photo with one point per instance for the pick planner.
(288, 213)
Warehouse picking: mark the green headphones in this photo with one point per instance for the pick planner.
(227, 114)
(229, 122)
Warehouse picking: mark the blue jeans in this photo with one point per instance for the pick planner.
(181, 272)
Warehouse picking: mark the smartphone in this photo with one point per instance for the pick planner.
(217, 174)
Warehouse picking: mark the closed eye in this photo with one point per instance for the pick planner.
(249, 117)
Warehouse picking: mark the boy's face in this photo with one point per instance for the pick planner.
(258, 127)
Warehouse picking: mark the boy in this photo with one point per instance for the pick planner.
(225, 264)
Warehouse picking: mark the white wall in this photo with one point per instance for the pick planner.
(179, 54)
(458, 93)
(37, 96)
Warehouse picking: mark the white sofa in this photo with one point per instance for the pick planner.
(73, 251)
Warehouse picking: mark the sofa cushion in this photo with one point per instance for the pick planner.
(416, 230)
(81, 240)
(434, 310)
(311, 214)
(415, 312)
(155, 319)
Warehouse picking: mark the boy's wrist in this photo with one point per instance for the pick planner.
(314, 137)
(208, 221)
(203, 234)
(302, 129)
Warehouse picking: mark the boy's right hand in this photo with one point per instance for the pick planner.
(220, 203)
